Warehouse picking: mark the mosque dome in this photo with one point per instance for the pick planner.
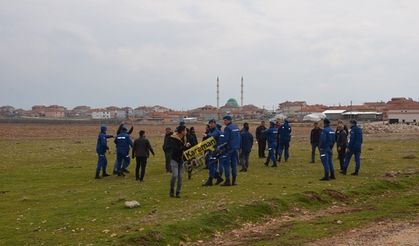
(232, 103)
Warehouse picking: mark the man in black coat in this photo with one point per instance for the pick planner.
(341, 142)
(261, 139)
(166, 148)
(141, 151)
(314, 140)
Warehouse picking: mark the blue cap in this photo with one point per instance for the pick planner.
(227, 117)
(211, 121)
(103, 128)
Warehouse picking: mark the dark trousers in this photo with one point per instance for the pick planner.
(284, 147)
(244, 159)
(348, 157)
(261, 148)
(168, 157)
(141, 164)
(341, 156)
(313, 151)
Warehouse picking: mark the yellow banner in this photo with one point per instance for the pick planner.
(199, 149)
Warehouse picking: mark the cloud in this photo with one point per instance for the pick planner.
(170, 52)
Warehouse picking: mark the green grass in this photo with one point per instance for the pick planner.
(48, 195)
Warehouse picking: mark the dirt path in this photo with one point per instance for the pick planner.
(267, 230)
(382, 233)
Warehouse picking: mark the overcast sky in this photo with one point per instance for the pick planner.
(133, 52)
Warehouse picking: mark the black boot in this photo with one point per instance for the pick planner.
(226, 183)
(234, 181)
(343, 172)
(121, 174)
(274, 164)
(208, 183)
(97, 176)
(219, 180)
(105, 175)
(177, 194)
(355, 173)
(332, 176)
(325, 178)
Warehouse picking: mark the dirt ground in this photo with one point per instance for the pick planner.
(382, 233)
(20, 131)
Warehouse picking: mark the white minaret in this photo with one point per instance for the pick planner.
(218, 93)
(241, 98)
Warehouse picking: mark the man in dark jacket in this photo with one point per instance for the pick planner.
(232, 140)
(101, 148)
(123, 143)
(341, 141)
(118, 131)
(246, 147)
(314, 140)
(141, 151)
(327, 140)
(166, 148)
(212, 155)
(261, 139)
(284, 140)
(354, 148)
(272, 136)
(177, 147)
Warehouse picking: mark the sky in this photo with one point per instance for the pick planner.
(140, 52)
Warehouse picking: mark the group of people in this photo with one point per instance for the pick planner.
(233, 147)
(325, 139)
(141, 149)
(278, 137)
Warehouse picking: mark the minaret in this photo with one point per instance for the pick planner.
(241, 98)
(218, 93)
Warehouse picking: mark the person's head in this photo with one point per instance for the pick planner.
(227, 120)
(340, 124)
(212, 124)
(219, 127)
(326, 122)
(286, 121)
(168, 130)
(142, 133)
(353, 122)
(262, 123)
(103, 129)
(181, 131)
(316, 125)
(271, 124)
(124, 129)
(192, 130)
(182, 123)
(246, 126)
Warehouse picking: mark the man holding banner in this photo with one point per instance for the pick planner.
(213, 132)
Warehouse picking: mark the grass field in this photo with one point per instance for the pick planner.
(48, 195)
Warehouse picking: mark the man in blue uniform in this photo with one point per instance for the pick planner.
(354, 148)
(272, 136)
(101, 148)
(246, 147)
(212, 158)
(327, 140)
(284, 140)
(123, 143)
(232, 146)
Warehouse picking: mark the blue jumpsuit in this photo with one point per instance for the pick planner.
(272, 135)
(354, 148)
(101, 148)
(327, 139)
(213, 161)
(230, 158)
(284, 140)
(123, 143)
